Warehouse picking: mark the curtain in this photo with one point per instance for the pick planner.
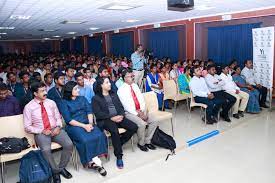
(122, 44)
(78, 45)
(231, 42)
(95, 46)
(41, 47)
(65, 46)
(164, 44)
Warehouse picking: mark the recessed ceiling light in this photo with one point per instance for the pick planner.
(6, 28)
(3, 33)
(204, 7)
(71, 33)
(72, 22)
(130, 21)
(93, 28)
(46, 38)
(47, 30)
(56, 36)
(117, 6)
(91, 35)
(20, 17)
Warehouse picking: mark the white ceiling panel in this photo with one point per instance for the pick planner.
(47, 14)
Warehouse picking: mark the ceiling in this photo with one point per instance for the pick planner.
(47, 14)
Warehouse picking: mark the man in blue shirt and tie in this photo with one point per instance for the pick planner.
(138, 61)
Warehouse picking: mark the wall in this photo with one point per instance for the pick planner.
(29, 46)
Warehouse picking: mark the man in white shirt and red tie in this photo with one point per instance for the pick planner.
(42, 118)
(134, 105)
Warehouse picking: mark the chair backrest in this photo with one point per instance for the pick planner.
(169, 89)
(13, 126)
(151, 101)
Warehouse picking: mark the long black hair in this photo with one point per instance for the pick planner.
(98, 88)
(67, 90)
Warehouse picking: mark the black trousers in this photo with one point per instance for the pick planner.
(263, 94)
(228, 101)
(213, 106)
(117, 139)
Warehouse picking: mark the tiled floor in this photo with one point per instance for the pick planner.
(243, 153)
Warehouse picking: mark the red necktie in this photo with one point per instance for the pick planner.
(45, 118)
(135, 99)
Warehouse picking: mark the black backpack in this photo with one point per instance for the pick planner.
(13, 145)
(164, 140)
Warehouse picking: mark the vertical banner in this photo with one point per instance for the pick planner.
(263, 55)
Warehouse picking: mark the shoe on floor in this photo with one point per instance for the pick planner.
(56, 178)
(241, 113)
(143, 148)
(102, 171)
(119, 163)
(264, 106)
(66, 174)
(236, 116)
(150, 146)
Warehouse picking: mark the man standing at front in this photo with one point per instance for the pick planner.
(138, 61)
(134, 105)
(42, 118)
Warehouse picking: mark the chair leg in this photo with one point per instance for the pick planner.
(132, 143)
(162, 104)
(75, 159)
(172, 126)
(205, 120)
(108, 149)
(187, 105)
(175, 106)
(3, 172)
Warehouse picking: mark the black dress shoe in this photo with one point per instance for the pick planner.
(210, 122)
(56, 178)
(227, 119)
(143, 148)
(150, 146)
(264, 106)
(241, 113)
(66, 174)
(214, 120)
(236, 116)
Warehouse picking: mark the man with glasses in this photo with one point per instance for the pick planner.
(134, 105)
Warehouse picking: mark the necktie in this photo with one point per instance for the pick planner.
(137, 105)
(45, 118)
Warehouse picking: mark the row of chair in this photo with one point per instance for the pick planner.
(12, 126)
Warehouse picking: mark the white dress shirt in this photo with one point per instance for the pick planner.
(89, 82)
(198, 87)
(3, 75)
(214, 83)
(248, 75)
(125, 96)
(229, 84)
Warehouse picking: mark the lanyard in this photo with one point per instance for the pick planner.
(58, 92)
